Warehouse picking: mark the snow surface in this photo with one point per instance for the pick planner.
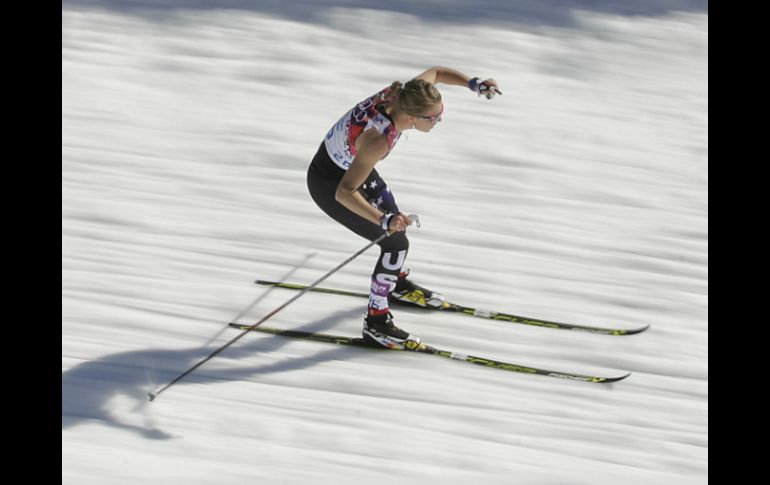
(579, 195)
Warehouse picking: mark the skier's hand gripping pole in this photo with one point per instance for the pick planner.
(399, 222)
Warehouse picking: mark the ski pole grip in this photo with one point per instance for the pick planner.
(413, 217)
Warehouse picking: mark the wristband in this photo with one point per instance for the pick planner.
(385, 221)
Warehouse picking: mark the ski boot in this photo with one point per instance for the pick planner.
(379, 330)
(408, 292)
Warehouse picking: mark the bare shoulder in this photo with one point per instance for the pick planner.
(430, 75)
(372, 144)
(372, 147)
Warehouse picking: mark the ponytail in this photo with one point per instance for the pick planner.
(414, 97)
(395, 91)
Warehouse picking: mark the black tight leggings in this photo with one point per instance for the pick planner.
(323, 177)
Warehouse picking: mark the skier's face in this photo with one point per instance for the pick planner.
(428, 120)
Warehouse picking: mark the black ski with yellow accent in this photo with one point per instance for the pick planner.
(426, 349)
(464, 310)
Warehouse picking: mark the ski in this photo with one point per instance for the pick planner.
(426, 349)
(463, 310)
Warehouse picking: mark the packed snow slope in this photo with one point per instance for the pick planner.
(579, 195)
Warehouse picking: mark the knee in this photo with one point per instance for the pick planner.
(395, 242)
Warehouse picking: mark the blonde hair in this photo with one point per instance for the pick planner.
(415, 97)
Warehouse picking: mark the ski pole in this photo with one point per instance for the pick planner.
(251, 305)
(155, 394)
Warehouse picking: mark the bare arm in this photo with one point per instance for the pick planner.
(445, 75)
(371, 148)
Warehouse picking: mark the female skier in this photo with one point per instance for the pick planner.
(344, 183)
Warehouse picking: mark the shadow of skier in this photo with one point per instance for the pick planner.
(88, 388)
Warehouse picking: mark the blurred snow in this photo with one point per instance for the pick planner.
(579, 195)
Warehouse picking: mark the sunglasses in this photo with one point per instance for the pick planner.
(432, 119)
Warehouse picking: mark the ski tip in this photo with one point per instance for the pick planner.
(637, 330)
(628, 331)
(615, 379)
